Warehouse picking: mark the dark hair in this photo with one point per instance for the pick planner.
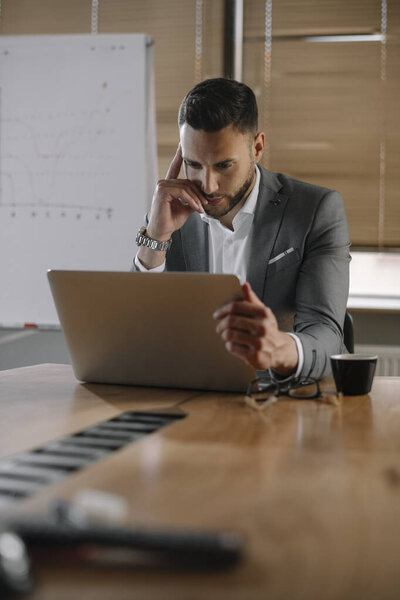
(216, 103)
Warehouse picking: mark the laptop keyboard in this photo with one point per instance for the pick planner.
(29, 472)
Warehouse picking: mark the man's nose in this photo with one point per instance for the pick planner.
(209, 182)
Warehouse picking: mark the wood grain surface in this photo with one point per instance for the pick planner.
(314, 488)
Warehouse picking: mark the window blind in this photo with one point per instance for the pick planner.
(333, 105)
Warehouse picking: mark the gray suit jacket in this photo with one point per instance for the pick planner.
(299, 262)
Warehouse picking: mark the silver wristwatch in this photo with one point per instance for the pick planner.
(143, 240)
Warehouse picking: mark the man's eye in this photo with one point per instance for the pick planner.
(193, 165)
(224, 166)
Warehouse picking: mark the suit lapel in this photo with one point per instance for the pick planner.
(268, 216)
(195, 244)
(267, 220)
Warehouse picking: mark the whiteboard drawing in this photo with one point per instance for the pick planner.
(75, 116)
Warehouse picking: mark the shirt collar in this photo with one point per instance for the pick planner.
(249, 206)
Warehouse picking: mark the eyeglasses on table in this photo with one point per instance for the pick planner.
(263, 391)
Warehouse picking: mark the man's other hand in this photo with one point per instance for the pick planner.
(250, 331)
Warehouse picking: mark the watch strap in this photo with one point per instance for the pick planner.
(144, 240)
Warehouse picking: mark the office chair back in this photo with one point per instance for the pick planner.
(348, 332)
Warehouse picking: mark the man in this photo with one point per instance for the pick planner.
(286, 240)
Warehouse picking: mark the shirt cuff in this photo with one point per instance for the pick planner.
(143, 269)
(300, 364)
(300, 352)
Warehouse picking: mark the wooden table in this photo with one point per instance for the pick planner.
(314, 488)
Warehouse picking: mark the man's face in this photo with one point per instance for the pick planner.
(222, 165)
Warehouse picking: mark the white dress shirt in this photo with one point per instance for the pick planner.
(229, 251)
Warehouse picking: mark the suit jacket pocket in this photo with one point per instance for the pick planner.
(283, 260)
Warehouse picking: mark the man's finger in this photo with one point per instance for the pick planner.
(175, 166)
(252, 297)
(248, 355)
(240, 308)
(242, 339)
(249, 295)
(251, 326)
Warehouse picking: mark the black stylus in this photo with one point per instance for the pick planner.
(179, 547)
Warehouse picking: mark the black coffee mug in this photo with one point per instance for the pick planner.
(353, 373)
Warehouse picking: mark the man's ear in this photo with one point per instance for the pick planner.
(258, 145)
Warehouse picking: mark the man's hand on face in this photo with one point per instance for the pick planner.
(174, 201)
(250, 331)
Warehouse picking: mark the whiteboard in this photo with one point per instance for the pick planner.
(77, 161)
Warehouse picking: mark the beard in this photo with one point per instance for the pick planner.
(234, 199)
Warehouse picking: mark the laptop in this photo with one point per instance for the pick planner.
(148, 329)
